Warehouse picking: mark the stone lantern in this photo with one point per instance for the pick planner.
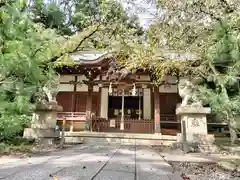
(43, 124)
(44, 118)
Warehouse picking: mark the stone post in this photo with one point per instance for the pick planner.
(43, 124)
(194, 136)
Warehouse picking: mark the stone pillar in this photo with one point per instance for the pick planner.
(157, 110)
(89, 108)
(194, 136)
(43, 124)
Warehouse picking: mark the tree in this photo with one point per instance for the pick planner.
(209, 32)
(51, 15)
(29, 54)
(222, 67)
(115, 27)
(69, 17)
(33, 42)
(23, 45)
(195, 38)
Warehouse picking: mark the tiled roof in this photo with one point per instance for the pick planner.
(89, 56)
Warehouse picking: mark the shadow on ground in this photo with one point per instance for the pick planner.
(92, 162)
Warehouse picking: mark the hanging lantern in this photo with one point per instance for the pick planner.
(110, 88)
(134, 90)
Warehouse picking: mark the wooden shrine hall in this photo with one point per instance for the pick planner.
(96, 95)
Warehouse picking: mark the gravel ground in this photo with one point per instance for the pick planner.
(197, 166)
(203, 171)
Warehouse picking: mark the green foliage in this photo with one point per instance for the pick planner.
(223, 58)
(50, 15)
(16, 145)
(12, 125)
(208, 30)
(38, 37)
(24, 49)
(69, 17)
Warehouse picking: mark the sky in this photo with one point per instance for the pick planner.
(146, 10)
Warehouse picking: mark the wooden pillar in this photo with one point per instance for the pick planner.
(157, 110)
(139, 107)
(99, 98)
(122, 117)
(99, 102)
(75, 94)
(74, 106)
(89, 107)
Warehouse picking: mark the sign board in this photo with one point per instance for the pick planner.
(112, 123)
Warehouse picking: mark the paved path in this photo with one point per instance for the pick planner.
(91, 163)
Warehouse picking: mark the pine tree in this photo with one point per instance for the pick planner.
(222, 66)
(205, 32)
(31, 49)
(23, 49)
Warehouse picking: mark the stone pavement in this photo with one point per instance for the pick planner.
(87, 162)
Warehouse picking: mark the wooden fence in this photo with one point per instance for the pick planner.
(130, 125)
(170, 124)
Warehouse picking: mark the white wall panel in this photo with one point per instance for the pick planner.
(143, 78)
(65, 88)
(171, 79)
(104, 103)
(146, 103)
(66, 78)
(168, 89)
(84, 88)
(82, 77)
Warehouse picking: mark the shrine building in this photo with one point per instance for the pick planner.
(93, 101)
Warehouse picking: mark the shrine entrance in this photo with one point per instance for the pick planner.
(125, 111)
(133, 105)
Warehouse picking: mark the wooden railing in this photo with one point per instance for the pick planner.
(168, 123)
(74, 120)
(78, 116)
(168, 118)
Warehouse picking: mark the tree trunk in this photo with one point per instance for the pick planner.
(233, 131)
(232, 124)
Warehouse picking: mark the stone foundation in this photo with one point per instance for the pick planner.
(40, 133)
(194, 136)
(204, 144)
(94, 138)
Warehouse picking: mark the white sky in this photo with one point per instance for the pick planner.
(146, 10)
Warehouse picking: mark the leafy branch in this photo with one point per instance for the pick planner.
(87, 36)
